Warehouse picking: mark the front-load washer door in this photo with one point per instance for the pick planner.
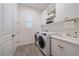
(41, 42)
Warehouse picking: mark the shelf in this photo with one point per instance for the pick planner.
(75, 19)
(51, 17)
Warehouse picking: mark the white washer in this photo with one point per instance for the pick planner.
(44, 43)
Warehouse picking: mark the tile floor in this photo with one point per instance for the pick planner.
(28, 50)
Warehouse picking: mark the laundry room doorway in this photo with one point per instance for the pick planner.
(29, 23)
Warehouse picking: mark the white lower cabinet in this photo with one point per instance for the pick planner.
(63, 48)
(55, 49)
(7, 48)
(6, 45)
(70, 49)
(0, 47)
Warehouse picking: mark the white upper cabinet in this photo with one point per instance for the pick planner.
(0, 19)
(47, 13)
(51, 8)
(7, 18)
(44, 15)
(64, 10)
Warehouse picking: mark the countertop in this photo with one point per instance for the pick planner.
(67, 39)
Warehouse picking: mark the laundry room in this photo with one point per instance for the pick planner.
(39, 29)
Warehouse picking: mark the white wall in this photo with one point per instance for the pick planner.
(27, 36)
(63, 10)
(66, 9)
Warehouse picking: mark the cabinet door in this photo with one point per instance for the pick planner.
(7, 18)
(7, 45)
(70, 49)
(0, 19)
(0, 46)
(7, 48)
(54, 47)
(43, 19)
(0, 50)
(44, 16)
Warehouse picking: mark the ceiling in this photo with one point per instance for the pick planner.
(38, 6)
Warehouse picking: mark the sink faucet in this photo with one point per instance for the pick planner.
(68, 35)
(75, 35)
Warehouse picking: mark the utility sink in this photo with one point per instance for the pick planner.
(67, 36)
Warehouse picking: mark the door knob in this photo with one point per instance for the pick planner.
(13, 35)
(62, 47)
(59, 45)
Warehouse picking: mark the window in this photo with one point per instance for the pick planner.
(28, 22)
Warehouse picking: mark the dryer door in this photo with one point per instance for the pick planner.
(41, 42)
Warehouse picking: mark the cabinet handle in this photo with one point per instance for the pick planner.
(59, 46)
(62, 47)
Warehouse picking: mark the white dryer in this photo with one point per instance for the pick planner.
(44, 43)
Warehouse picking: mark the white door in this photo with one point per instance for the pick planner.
(0, 19)
(15, 27)
(26, 29)
(7, 18)
(9, 26)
